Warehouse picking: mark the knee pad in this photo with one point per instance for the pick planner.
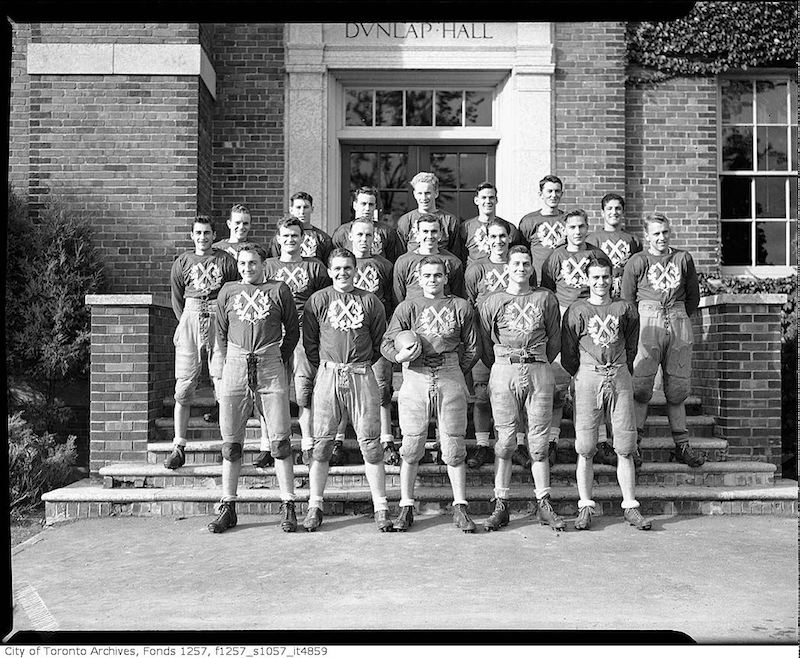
(676, 389)
(412, 449)
(231, 452)
(281, 449)
(323, 449)
(643, 388)
(454, 452)
(303, 388)
(371, 450)
(184, 390)
(540, 455)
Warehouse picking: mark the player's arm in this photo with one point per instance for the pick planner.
(486, 318)
(399, 276)
(456, 280)
(630, 280)
(291, 324)
(471, 348)
(471, 278)
(692, 286)
(552, 323)
(631, 335)
(570, 328)
(548, 276)
(377, 325)
(311, 330)
(221, 320)
(177, 286)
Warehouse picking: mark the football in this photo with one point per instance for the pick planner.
(404, 339)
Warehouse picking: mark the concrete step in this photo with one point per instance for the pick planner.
(88, 498)
(711, 474)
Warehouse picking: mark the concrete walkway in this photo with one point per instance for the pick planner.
(716, 578)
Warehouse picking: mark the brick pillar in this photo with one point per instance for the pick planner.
(737, 371)
(132, 370)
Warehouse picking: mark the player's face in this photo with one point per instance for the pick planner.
(364, 206)
(425, 195)
(498, 240)
(239, 224)
(301, 209)
(290, 238)
(576, 230)
(657, 236)
(202, 235)
(486, 200)
(428, 234)
(341, 271)
(551, 194)
(599, 281)
(361, 236)
(520, 268)
(613, 212)
(432, 279)
(251, 267)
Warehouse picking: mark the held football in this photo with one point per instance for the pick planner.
(404, 339)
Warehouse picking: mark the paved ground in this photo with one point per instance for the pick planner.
(716, 578)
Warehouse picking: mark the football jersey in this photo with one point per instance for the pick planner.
(565, 272)
(485, 277)
(304, 278)
(200, 276)
(475, 238)
(619, 246)
(544, 233)
(449, 237)
(668, 278)
(374, 274)
(406, 275)
(385, 240)
(316, 244)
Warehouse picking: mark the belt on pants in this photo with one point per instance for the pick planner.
(607, 386)
(663, 308)
(342, 371)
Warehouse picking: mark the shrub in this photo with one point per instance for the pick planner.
(37, 463)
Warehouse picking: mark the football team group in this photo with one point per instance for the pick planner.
(520, 319)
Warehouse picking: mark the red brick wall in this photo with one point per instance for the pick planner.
(589, 118)
(205, 154)
(115, 32)
(671, 151)
(249, 123)
(18, 110)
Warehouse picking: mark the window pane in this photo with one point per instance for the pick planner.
(393, 169)
(473, 170)
(771, 101)
(771, 197)
(466, 205)
(447, 201)
(735, 197)
(736, 243)
(793, 101)
(793, 243)
(771, 243)
(389, 110)
(393, 204)
(737, 149)
(363, 169)
(419, 110)
(793, 198)
(737, 101)
(448, 108)
(445, 166)
(771, 148)
(793, 148)
(358, 109)
(479, 108)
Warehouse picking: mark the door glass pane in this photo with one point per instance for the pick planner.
(793, 243)
(393, 205)
(466, 205)
(389, 106)
(363, 169)
(448, 108)
(771, 197)
(793, 101)
(793, 198)
(736, 243)
(771, 148)
(473, 170)
(358, 107)
(771, 101)
(419, 108)
(479, 108)
(445, 166)
(393, 169)
(448, 201)
(770, 243)
(737, 148)
(737, 101)
(735, 198)
(793, 148)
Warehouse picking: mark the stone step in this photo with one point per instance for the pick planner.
(88, 498)
(711, 474)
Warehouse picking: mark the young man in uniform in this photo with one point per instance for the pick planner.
(474, 232)
(521, 335)
(598, 346)
(316, 243)
(564, 273)
(304, 276)
(239, 223)
(426, 191)
(342, 331)
(195, 279)
(385, 240)
(406, 269)
(433, 383)
(483, 278)
(662, 281)
(543, 229)
(257, 330)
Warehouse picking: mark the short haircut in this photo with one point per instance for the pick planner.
(425, 177)
(654, 218)
(519, 249)
(239, 208)
(594, 261)
(431, 219)
(256, 248)
(578, 212)
(364, 189)
(341, 252)
(612, 196)
(289, 220)
(432, 260)
(305, 196)
(498, 222)
(202, 219)
(485, 185)
(550, 178)
(361, 220)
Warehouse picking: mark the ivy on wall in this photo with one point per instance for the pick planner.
(714, 37)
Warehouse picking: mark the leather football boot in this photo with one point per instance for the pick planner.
(499, 517)
(547, 515)
(288, 516)
(461, 518)
(605, 454)
(264, 459)
(390, 455)
(584, 520)
(313, 519)
(382, 521)
(685, 455)
(405, 519)
(522, 457)
(225, 519)
(337, 456)
(635, 518)
(176, 458)
(480, 455)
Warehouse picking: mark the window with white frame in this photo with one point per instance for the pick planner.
(758, 171)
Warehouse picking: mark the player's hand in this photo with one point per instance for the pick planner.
(409, 353)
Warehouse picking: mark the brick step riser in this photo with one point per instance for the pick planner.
(59, 511)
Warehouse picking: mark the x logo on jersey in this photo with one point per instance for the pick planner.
(377, 244)
(346, 315)
(253, 308)
(664, 277)
(433, 323)
(480, 239)
(618, 251)
(296, 278)
(574, 272)
(205, 278)
(366, 278)
(496, 279)
(604, 332)
(309, 247)
(550, 235)
(522, 319)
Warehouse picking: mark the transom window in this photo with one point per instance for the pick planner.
(437, 107)
(758, 170)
